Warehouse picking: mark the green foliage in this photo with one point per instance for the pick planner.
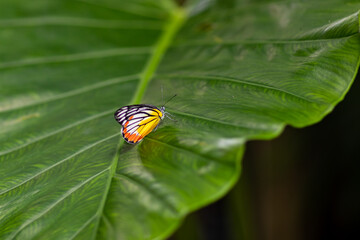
(241, 71)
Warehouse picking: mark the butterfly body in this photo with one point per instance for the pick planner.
(139, 120)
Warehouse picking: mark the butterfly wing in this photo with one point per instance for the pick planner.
(137, 121)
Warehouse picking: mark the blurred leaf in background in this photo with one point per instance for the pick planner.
(242, 71)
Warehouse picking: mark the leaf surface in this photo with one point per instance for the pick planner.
(241, 72)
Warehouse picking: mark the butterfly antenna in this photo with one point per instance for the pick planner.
(169, 100)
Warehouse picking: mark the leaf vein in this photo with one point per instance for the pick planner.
(83, 226)
(57, 131)
(242, 82)
(84, 149)
(108, 224)
(229, 164)
(140, 11)
(67, 194)
(159, 197)
(78, 91)
(258, 41)
(76, 57)
(274, 127)
(80, 22)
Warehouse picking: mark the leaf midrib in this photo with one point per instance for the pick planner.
(177, 17)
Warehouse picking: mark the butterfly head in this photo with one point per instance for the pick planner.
(162, 109)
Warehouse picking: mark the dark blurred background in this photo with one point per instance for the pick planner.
(304, 184)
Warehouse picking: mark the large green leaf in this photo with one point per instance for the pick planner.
(241, 71)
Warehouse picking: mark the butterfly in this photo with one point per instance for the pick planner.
(139, 120)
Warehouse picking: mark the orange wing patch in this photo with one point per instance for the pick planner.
(137, 121)
(135, 132)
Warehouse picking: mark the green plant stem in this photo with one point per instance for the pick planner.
(177, 17)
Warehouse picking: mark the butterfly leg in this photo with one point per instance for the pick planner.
(167, 114)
